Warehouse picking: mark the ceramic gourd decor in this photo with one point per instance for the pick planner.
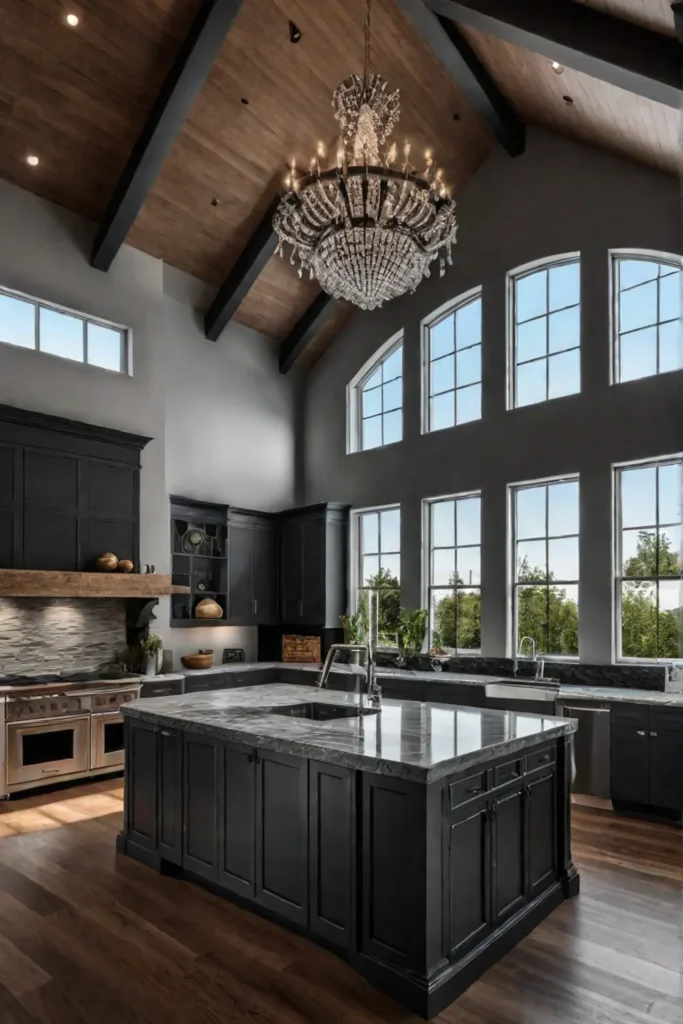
(107, 562)
(208, 609)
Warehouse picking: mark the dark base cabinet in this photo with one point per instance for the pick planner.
(647, 760)
(421, 888)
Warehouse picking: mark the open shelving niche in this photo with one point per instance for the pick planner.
(202, 566)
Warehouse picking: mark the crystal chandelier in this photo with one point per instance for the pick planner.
(367, 229)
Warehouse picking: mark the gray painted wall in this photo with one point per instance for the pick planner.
(221, 416)
(558, 197)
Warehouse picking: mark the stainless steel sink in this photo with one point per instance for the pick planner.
(318, 712)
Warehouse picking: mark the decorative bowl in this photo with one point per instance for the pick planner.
(197, 660)
(107, 562)
(208, 609)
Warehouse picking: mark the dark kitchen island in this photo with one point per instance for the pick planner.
(421, 843)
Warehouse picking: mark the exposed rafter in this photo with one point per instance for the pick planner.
(580, 37)
(677, 9)
(165, 120)
(462, 64)
(249, 265)
(306, 329)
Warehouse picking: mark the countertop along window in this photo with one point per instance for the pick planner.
(647, 327)
(545, 331)
(29, 323)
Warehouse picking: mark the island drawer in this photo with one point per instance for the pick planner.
(165, 688)
(507, 772)
(467, 789)
(540, 758)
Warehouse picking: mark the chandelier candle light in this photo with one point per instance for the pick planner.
(367, 229)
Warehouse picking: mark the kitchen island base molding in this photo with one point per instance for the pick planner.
(421, 887)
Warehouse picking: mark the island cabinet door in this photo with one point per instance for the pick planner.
(141, 794)
(171, 795)
(542, 832)
(509, 854)
(237, 819)
(282, 835)
(467, 879)
(393, 883)
(200, 803)
(331, 852)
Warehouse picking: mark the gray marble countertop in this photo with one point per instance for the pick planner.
(420, 742)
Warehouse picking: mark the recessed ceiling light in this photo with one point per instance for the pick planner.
(557, 68)
(32, 160)
(72, 19)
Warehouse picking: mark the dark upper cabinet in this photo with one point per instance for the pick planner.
(252, 570)
(313, 565)
(68, 492)
(647, 756)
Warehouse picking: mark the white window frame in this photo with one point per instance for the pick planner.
(38, 304)
(356, 555)
(441, 313)
(617, 562)
(427, 561)
(354, 404)
(546, 263)
(513, 586)
(649, 256)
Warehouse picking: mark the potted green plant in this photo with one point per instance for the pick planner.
(151, 651)
(354, 633)
(411, 631)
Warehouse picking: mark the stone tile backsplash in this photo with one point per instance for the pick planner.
(40, 636)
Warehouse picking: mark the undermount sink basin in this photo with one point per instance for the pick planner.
(316, 712)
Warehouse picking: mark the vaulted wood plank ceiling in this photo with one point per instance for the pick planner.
(79, 98)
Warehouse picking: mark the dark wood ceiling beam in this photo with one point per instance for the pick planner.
(607, 48)
(166, 118)
(677, 9)
(249, 265)
(304, 332)
(449, 45)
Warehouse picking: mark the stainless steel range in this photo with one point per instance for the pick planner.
(51, 735)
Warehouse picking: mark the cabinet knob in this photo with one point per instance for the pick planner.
(166, 732)
(653, 734)
(527, 791)
(641, 732)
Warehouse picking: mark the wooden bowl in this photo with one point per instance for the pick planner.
(197, 660)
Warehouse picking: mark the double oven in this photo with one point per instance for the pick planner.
(53, 737)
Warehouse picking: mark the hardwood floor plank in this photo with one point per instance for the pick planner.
(18, 973)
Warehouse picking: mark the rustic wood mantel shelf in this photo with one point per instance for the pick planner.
(39, 583)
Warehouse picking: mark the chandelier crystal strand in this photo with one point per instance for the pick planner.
(365, 230)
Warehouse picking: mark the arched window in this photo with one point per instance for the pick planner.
(452, 342)
(375, 399)
(544, 328)
(647, 334)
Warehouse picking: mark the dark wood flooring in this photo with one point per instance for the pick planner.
(87, 937)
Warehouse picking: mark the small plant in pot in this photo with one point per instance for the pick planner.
(411, 632)
(151, 651)
(354, 633)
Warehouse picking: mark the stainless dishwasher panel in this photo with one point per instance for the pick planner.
(591, 748)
